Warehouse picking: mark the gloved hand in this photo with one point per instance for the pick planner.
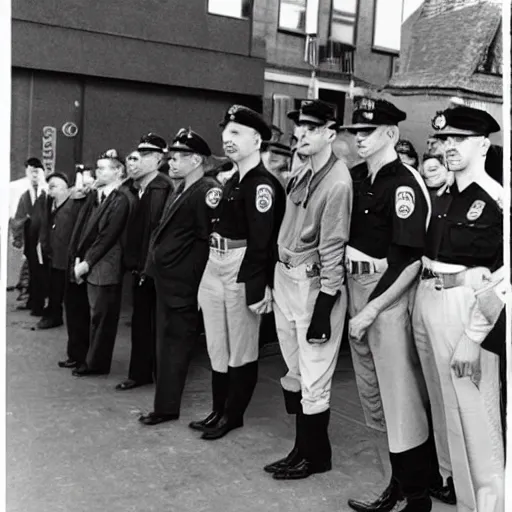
(319, 330)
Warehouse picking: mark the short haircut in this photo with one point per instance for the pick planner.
(34, 162)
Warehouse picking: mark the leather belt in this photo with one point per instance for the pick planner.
(311, 269)
(444, 281)
(361, 267)
(224, 244)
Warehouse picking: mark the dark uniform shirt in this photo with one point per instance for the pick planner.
(391, 210)
(252, 210)
(467, 229)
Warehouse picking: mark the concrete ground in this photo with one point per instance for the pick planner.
(75, 445)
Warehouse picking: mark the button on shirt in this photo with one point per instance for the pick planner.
(468, 227)
(391, 210)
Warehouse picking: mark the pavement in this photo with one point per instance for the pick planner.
(75, 445)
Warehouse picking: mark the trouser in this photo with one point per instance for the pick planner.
(231, 328)
(310, 366)
(176, 329)
(398, 378)
(142, 358)
(37, 284)
(471, 407)
(105, 306)
(56, 294)
(77, 321)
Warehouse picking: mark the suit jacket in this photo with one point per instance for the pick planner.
(28, 220)
(179, 248)
(97, 238)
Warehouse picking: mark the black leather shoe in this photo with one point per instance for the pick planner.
(384, 503)
(446, 493)
(68, 363)
(37, 312)
(154, 418)
(85, 371)
(49, 323)
(278, 465)
(418, 505)
(302, 469)
(223, 426)
(210, 421)
(130, 384)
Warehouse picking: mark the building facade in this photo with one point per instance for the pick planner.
(87, 77)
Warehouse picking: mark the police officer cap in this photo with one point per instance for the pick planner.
(463, 120)
(59, 175)
(111, 154)
(369, 113)
(278, 148)
(151, 143)
(188, 141)
(314, 112)
(247, 117)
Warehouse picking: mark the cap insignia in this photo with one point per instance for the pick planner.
(367, 115)
(439, 121)
(366, 104)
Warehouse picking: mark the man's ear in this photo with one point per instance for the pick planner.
(486, 144)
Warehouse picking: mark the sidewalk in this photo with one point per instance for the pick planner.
(75, 445)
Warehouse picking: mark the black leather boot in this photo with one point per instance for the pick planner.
(242, 381)
(314, 451)
(220, 385)
(292, 402)
(384, 503)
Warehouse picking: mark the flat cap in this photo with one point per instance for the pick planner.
(314, 112)
(369, 113)
(188, 141)
(111, 154)
(463, 120)
(59, 175)
(247, 117)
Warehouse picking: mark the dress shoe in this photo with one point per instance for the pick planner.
(49, 323)
(210, 421)
(302, 469)
(418, 505)
(37, 312)
(446, 493)
(68, 363)
(85, 371)
(154, 418)
(384, 503)
(278, 465)
(223, 426)
(130, 384)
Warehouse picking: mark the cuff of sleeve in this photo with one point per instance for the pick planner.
(490, 305)
(255, 290)
(329, 291)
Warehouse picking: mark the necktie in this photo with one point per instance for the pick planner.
(102, 197)
(35, 193)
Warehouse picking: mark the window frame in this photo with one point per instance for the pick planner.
(382, 49)
(290, 31)
(250, 4)
(356, 25)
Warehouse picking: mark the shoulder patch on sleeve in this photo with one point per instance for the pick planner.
(405, 201)
(264, 198)
(213, 197)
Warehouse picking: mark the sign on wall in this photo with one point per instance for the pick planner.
(49, 148)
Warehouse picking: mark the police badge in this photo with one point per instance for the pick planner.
(213, 197)
(475, 211)
(264, 195)
(439, 121)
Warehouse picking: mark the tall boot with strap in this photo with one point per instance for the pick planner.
(292, 401)
(242, 381)
(220, 386)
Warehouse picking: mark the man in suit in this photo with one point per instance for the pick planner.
(26, 227)
(150, 190)
(176, 261)
(96, 262)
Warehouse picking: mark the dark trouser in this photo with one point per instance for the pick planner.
(142, 359)
(56, 294)
(105, 306)
(175, 340)
(77, 321)
(37, 284)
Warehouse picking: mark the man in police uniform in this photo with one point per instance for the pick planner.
(149, 190)
(463, 254)
(236, 286)
(177, 257)
(309, 289)
(387, 236)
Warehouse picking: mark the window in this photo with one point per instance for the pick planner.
(343, 21)
(387, 25)
(231, 8)
(292, 15)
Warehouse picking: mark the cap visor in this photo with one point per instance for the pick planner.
(456, 131)
(356, 126)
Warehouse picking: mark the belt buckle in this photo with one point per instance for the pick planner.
(312, 270)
